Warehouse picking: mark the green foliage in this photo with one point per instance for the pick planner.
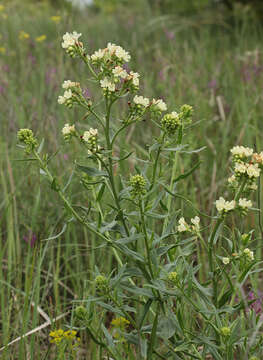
(48, 260)
(178, 6)
(150, 290)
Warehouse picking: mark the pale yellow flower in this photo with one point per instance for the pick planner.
(56, 19)
(23, 35)
(2, 50)
(41, 38)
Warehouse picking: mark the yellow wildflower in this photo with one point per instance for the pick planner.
(120, 322)
(57, 336)
(41, 38)
(2, 50)
(56, 19)
(2, 8)
(119, 325)
(23, 35)
(70, 334)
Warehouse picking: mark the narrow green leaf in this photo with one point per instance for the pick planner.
(101, 192)
(188, 173)
(91, 171)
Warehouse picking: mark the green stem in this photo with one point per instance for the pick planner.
(240, 190)
(86, 60)
(210, 257)
(169, 201)
(119, 131)
(153, 332)
(111, 176)
(74, 213)
(146, 240)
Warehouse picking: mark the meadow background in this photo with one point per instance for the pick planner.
(205, 54)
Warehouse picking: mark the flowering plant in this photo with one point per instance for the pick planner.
(161, 302)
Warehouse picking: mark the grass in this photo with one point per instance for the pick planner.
(184, 60)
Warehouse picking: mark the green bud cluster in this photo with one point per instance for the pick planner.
(170, 123)
(91, 139)
(186, 112)
(173, 277)
(26, 136)
(138, 184)
(81, 312)
(246, 238)
(93, 142)
(76, 50)
(102, 284)
(225, 331)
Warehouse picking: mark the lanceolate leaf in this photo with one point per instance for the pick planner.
(91, 171)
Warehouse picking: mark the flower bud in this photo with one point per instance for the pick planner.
(225, 331)
(185, 114)
(81, 312)
(170, 123)
(102, 284)
(26, 136)
(173, 277)
(138, 184)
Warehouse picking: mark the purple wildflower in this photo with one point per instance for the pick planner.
(32, 59)
(256, 302)
(51, 75)
(2, 89)
(30, 239)
(86, 93)
(161, 75)
(169, 34)
(5, 68)
(212, 84)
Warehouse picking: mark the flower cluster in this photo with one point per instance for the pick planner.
(72, 45)
(102, 284)
(241, 152)
(113, 75)
(68, 131)
(91, 138)
(66, 98)
(225, 331)
(244, 205)
(224, 206)
(58, 336)
(225, 260)
(170, 123)
(81, 312)
(112, 53)
(159, 105)
(119, 325)
(194, 227)
(247, 166)
(138, 186)
(120, 322)
(26, 136)
(71, 95)
(247, 255)
(173, 278)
